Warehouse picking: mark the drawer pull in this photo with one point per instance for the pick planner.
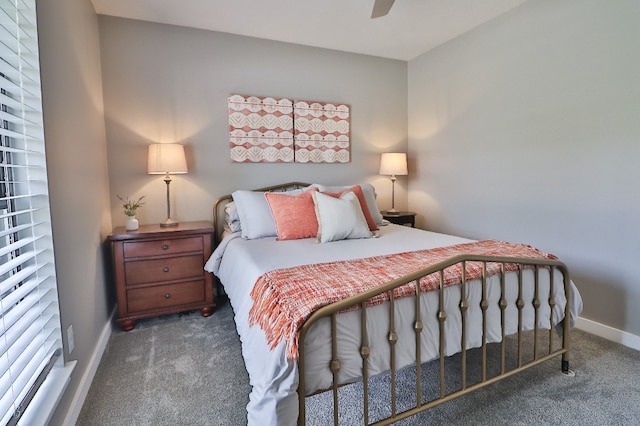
(166, 269)
(167, 296)
(165, 247)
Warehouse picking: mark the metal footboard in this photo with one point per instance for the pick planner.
(522, 338)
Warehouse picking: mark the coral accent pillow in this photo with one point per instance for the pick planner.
(256, 220)
(294, 215)
(363, 204)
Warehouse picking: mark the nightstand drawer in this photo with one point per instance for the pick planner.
(162, 247)
(157, 270)
(400, 218)
(165, 296)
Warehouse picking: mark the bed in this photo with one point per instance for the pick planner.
(478, 296)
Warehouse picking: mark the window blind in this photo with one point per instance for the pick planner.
(31, 338)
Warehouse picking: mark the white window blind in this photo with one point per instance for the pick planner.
(30, 340)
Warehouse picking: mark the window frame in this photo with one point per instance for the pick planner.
(33, 374)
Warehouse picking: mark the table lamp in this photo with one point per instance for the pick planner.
(167, 159)
(393, 163)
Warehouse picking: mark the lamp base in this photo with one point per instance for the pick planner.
(392, 212)
(169, 222)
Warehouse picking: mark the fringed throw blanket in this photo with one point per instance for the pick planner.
(283, 299)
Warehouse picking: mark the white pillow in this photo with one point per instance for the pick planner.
(231, 212)
(369, 195)
(255, 216)
(340, 218)
(231, 218)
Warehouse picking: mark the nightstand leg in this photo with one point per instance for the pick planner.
(127, 325)
(205, 312)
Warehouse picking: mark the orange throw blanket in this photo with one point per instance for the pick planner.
(283, 299)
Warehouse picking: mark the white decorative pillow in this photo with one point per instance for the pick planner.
(231, 218)
(255, 216)
(340, 218)
(369, 195)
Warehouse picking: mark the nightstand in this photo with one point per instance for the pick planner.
(401, 218)
(159, 270)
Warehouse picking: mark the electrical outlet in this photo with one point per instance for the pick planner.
(70, 343)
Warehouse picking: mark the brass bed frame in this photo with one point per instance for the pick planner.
(522, 337)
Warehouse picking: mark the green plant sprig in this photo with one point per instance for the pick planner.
(131, 206)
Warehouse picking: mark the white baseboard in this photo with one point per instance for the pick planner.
(81, 394)
(613, 334)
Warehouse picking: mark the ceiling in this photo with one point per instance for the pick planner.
(411, 28)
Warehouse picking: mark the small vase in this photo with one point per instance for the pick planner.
(132, 223)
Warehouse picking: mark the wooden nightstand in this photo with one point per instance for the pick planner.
(160, 271)
(401, 218)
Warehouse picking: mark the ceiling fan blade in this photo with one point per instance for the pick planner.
(381, 8)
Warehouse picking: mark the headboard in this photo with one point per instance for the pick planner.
(218, 206)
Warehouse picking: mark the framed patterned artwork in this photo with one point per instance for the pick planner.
(260, 129)
(321, 132)
(267, 129)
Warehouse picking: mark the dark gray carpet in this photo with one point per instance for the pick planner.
(171, 370)
(188, 370)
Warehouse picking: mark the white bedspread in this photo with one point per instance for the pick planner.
(273, 399)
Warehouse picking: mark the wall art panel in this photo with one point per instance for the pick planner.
(321, 132)
(260, 129)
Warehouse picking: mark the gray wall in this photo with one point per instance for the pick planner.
(526, 129)
(166, 83)
(77, 168)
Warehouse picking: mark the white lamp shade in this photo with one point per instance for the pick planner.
(166, 158)
(393, 163)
